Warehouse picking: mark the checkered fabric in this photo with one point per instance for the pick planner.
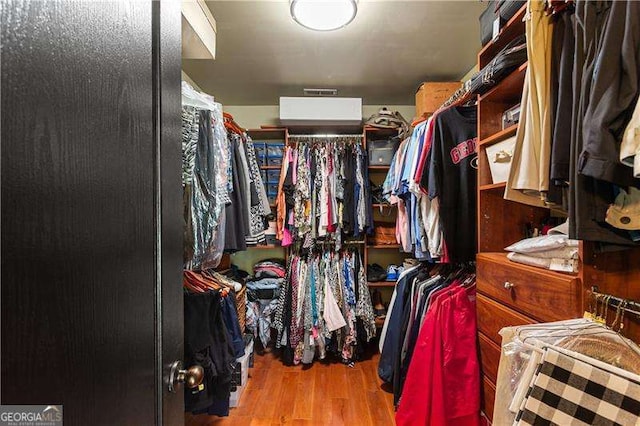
(568, 391)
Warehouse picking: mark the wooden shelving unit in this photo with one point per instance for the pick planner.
(384, 246)
(498, 136)
(386, 254)
(493, 186)
(510, 293)
(382, 284)
(512, 29)
(379, 168)
(501, 223)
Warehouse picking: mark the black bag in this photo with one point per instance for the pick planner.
(504, 10)
(508, 59)
(486, 22)
(508, 9)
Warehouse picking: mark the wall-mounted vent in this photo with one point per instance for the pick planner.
(320, 92)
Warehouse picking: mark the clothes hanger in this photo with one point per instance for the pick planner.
(230, 124)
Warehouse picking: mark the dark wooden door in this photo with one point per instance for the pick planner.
(91, 205)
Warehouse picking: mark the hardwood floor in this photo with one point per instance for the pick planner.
(323, 394)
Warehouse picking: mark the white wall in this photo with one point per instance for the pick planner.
(254, 116)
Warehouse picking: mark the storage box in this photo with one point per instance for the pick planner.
(381, 151)
(430, 96)
(275, 149)
(511, 117)
(499, 156)
(234, 397)
(274, 160)
(271, 196)
(273, 176)
(260, 148)
(242, 366)
(381, 156)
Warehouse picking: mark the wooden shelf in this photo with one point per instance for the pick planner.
(270, 167)
(275, 134)
(378, 205)
(509, 90)
(502, 258)
(372, 129)
(381, 168)
(499, 136)
(512, 29)
(265, 247)
(493, 186)
(382, 284)
(385, 246)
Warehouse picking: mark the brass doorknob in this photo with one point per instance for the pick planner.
(192, 377)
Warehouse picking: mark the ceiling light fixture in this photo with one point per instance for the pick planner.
(323, 15)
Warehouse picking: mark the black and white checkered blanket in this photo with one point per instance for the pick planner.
(569, 391)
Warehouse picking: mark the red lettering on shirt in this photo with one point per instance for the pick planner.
(463, 150)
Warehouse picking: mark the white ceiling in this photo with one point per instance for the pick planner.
(382, 56)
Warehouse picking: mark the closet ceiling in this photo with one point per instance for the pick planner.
(381, 56)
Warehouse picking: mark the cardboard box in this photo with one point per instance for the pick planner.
(430, 96)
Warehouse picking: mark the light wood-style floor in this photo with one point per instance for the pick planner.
(332, 394)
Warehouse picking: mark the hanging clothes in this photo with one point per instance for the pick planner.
(208, 344)
(205, 180)
(323, 191)
(432, 180)
(324, 306)
(529, 175)
(428, 350)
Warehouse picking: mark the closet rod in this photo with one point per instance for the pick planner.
(630, 306)
(326, 136)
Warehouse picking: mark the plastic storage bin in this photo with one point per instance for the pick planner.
(272, 196)
(261, 149)
(275, 149)
(272, 188)
(274, 161)
(242, 373)
(273, 176)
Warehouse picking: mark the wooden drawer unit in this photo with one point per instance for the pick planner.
(543, 295)
(490, 357)
(488, 396)
(493, 317)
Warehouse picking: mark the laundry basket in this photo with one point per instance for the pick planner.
(241, 307)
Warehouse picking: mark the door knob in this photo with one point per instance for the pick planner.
(509, 285)
(192, 377)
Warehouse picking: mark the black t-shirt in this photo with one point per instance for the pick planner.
(453, 165)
